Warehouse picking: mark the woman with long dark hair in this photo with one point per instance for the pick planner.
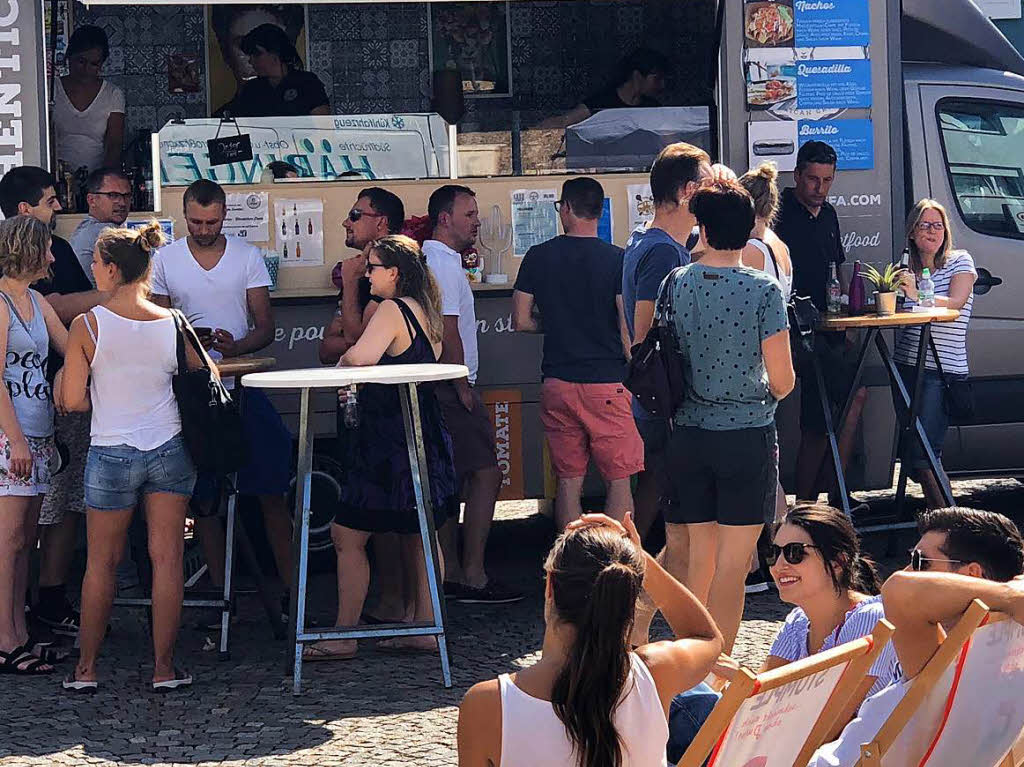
(282, 87)
(817, 565)
(590, 701)
(377, 491)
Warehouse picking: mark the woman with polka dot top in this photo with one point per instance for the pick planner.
(733, 333)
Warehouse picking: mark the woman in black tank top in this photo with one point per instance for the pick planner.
(377, 491)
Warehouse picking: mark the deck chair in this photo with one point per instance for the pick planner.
(982, 715)
(914, 729)
(780, 717)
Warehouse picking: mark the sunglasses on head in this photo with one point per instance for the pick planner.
(795, 552)
(920, 563)
(355, 214)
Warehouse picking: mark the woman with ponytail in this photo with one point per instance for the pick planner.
(377, 490)
(764, 250)
(136, 454)
(590, 701)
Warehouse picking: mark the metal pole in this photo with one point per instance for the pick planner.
(229, 562)
(300, 539)
(453, 151)
(421, 488)
(830, 430)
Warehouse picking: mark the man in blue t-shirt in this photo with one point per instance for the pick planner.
(575, 281)
(650, 255)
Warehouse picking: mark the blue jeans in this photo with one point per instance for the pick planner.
(686, 716)
(931, 411)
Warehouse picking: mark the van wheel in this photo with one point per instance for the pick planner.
(325, 492)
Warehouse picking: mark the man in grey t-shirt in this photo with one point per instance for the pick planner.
(109, 195)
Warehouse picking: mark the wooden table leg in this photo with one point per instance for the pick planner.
(421, 487)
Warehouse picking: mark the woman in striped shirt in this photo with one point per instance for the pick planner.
(931, 247)
(816, 563)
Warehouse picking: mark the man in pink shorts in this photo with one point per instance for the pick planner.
(574, 282)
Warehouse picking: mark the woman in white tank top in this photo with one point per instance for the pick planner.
(128, 348)
(765, 251)
(589, 701)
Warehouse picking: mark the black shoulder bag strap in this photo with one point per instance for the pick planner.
(185, 331)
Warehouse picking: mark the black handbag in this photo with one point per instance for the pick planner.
(655, 372)
(210, 421)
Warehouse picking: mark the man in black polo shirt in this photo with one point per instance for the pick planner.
(808, 224)
(29, 190)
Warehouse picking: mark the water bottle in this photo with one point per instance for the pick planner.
(858, 294)
(926, 290)
(901, 295)
(835, 292)
(350, 413)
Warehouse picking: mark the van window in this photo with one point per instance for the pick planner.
(983, 143)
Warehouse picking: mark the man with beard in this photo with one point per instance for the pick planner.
(376, 213)
(221, 284)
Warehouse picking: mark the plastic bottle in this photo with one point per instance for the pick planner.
(350, 413)
(926, 290)
(835, 292)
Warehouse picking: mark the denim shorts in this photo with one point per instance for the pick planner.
(117, 476)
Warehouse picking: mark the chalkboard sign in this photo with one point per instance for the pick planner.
(230, 149)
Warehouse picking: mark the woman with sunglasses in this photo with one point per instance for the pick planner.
(377, 490)
(816, 563)
(930, 242)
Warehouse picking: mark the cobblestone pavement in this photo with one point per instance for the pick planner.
(378, 710)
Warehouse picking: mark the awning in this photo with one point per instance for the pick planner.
(276, 2)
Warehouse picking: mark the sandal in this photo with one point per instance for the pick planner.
(181, 679)
(74, 684)
(312, 653)
(23, 663)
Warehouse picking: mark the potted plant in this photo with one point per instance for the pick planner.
(886, 282)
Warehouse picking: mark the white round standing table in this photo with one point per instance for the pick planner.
(406, 377)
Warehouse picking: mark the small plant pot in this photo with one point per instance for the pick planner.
(885, 303)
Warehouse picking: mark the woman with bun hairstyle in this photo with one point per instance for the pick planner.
(591, 701)
(137, 453)
(764, 250)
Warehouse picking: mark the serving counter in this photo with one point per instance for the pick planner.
(305, 302)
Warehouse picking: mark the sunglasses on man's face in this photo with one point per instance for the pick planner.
(795, 552)
(355, 214)
(919, 563)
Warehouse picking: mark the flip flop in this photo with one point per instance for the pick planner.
(73, 684)
(313, 654)
(181, 679)
(21, 662)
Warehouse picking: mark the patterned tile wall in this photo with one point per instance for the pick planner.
(140, 40)
(375, 58)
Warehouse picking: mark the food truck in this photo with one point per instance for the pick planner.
(920, 99)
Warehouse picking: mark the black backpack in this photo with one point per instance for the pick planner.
(655, 372)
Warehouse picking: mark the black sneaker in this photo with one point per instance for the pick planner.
(65, 622)
(491, 594)
(452, 590)
(756, 583)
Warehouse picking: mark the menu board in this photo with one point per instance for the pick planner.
(807, 70)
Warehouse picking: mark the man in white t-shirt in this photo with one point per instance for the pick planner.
(455, 219)
(963, 554)
(221, 285)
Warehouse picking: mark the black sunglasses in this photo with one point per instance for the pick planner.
(370, 266)
(795, 552)
(355, 214)
(918, 561)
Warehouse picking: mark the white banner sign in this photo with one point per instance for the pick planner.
(378, 146)
(248, 216)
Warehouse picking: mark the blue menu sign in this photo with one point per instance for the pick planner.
(604, 224)
(833, 84)
(831, 22)
(853, 140)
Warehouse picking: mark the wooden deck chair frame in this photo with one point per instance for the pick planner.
(860, 653)
(922, 684)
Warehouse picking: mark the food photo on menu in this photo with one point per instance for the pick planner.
(768, 24)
